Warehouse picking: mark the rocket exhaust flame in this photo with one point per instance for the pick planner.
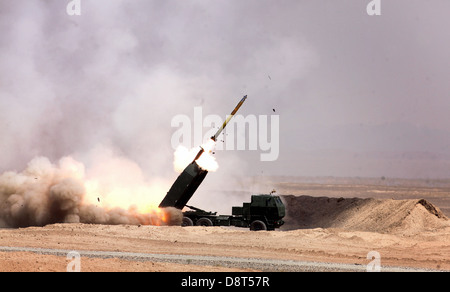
(203, 157)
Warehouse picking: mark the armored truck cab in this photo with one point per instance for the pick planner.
(264, 212)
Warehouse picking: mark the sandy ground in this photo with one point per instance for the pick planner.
(428, 250)
(32, 262)
(406, 232)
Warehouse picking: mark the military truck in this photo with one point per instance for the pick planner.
(264, 212)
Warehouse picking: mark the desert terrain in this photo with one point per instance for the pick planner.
(328, 221)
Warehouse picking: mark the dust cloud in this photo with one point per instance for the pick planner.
(45, 193)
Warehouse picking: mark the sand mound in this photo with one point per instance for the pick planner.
(376, 215)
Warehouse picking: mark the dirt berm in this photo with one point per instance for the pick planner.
(375, 215)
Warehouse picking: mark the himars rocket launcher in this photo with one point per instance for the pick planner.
(192, 176)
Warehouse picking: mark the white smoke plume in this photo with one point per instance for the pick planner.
(46, 193)
(184, 156)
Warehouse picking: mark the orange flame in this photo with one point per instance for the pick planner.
(117, 184)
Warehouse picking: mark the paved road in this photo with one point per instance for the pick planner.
(267, 265)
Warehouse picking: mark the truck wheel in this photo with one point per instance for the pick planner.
(258, 225)
(187, 222)
(204, 222)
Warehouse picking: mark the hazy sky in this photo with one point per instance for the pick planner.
(357, 95)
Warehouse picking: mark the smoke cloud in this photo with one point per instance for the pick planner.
(184, 156)
(46, 193)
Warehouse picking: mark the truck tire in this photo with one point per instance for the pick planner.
(258, 225)
(187, 222)
(204, 222)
